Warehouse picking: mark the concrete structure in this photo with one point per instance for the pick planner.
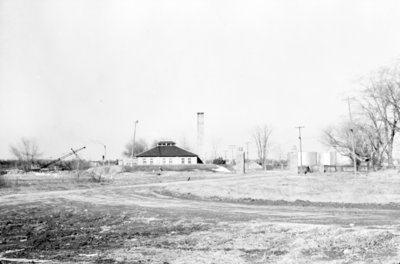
(200, 135)
(166, 153)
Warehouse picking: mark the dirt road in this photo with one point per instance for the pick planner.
(150, 196)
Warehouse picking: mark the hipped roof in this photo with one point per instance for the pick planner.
(166, 151)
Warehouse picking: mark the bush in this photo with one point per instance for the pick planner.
(219, 161)
(3, 181)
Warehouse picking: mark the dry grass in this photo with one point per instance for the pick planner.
(256, 242)
(136, 225)
(65, 180)
(380, 187)
(94, 177)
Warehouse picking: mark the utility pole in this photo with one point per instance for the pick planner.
(134, 137)
(232, 147)
(301, 150)
(78, 159)
(105, 155)
(247, 154)
(352, 136)
(104, 158)
(247, 149)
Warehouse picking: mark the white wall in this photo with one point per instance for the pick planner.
(167, 161)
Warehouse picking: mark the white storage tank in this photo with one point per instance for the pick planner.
(308, 158)
(328, 158)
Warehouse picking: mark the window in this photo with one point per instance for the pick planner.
(144, 161)
(183, 160)
(170, 160)
(189, 160)
(151, 161)
(164, 160)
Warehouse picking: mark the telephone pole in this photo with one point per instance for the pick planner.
(247, 154)
(133, 143)
(232, 148)
(104, 157)
(301, 150)
(247, 149)
(352, 136)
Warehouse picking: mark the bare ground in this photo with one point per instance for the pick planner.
(146, 223)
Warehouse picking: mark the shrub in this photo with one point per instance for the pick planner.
(3, 181)
(219, 161)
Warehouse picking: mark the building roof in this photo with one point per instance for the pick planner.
(166, 143)
(166, 151)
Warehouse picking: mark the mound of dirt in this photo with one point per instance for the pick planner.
(114, 169)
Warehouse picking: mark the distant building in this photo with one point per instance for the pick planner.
(166, 153)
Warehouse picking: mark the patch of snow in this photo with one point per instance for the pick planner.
(221, 169)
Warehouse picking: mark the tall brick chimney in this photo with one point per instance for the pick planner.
(200, 136)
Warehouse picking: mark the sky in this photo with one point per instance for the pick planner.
(79, 73)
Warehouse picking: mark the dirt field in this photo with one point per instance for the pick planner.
(213, 218)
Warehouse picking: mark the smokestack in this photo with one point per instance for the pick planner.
(200, 135)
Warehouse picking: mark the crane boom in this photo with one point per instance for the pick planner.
(73, 152)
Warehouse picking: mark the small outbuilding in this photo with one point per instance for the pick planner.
(166, 153)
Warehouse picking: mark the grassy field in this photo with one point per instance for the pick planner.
(377, 187)
(96, 177)
(112, 216)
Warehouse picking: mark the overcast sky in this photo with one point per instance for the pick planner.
(73, 73)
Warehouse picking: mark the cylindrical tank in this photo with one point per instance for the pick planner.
(328, 158)
(308, 158)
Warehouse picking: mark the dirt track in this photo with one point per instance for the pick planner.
(149, 196)
(134, 221)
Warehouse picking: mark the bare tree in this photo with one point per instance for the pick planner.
(368, 145)
(140, 146)
(261, 136)
(377, 119)
(26, 152)
(381, 104)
